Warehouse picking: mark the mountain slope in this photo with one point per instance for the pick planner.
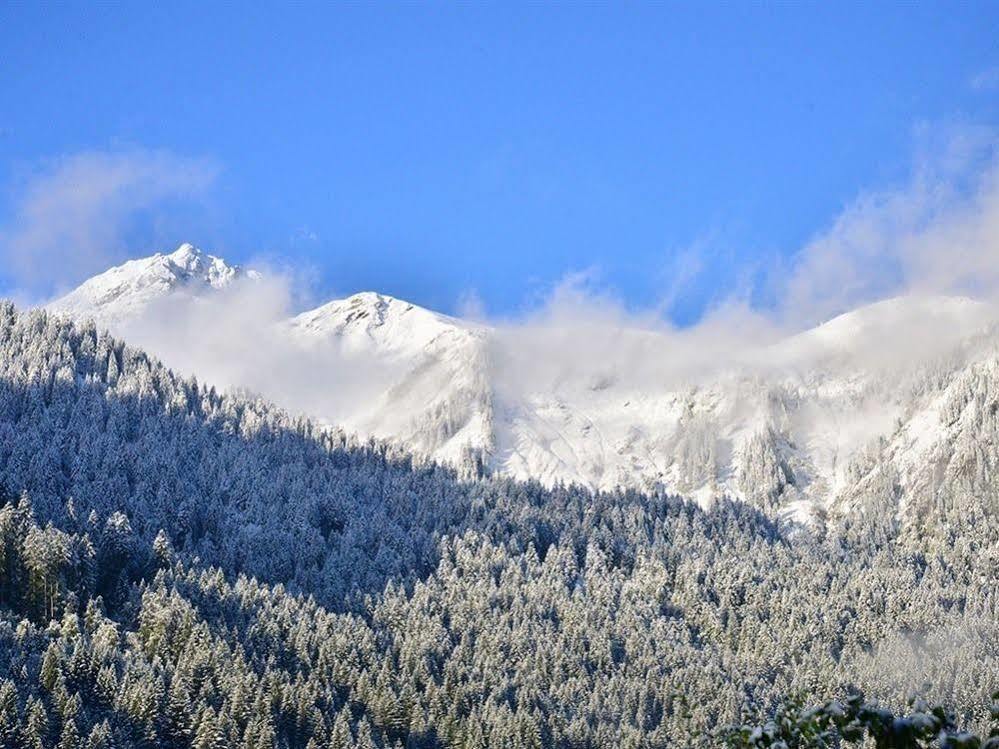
(437, 398)
(793, 427)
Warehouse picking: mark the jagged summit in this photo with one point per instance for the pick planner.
(124, 292)
(186, 253)
(435, 396)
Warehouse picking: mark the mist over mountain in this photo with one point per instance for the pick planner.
(797, 424)
(128, 291)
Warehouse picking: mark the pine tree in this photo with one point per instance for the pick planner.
(99, 737)
(208, 734)
(50, 667)
(177, 727)
(341, 736)
(37, 732)
(365, 736)
(163, 549)
(70, 736)
(10, 734)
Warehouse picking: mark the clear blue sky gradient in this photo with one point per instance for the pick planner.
(436, 148)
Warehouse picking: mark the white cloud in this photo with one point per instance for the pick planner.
(938, 234)
(986, 80)
(73, 214)
(238, 338)
(470, 306)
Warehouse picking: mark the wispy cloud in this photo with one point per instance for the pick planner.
(470, 306)
(937, 234)
(303, 235)
(986, 80)
(239, 338)
(74, 212)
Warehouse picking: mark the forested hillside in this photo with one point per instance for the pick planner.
(186, 568)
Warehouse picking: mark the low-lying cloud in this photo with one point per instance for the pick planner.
(239, 338)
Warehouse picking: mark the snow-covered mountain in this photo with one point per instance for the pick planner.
(437, 399)
(872, 402)
(126, 292)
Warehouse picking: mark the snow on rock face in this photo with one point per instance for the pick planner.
(438, 401)
(792, 433)
(124, 292)
(824, 419)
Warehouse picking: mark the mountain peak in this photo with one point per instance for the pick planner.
(125, 291)
(186, 254)
(369, 320)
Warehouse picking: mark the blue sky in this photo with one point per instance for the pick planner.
(434, 150)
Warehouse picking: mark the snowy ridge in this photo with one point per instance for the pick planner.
(805, 426)
(438, 401)
(373, 321)
(125, 292)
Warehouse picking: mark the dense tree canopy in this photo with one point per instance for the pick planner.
(185, 568)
